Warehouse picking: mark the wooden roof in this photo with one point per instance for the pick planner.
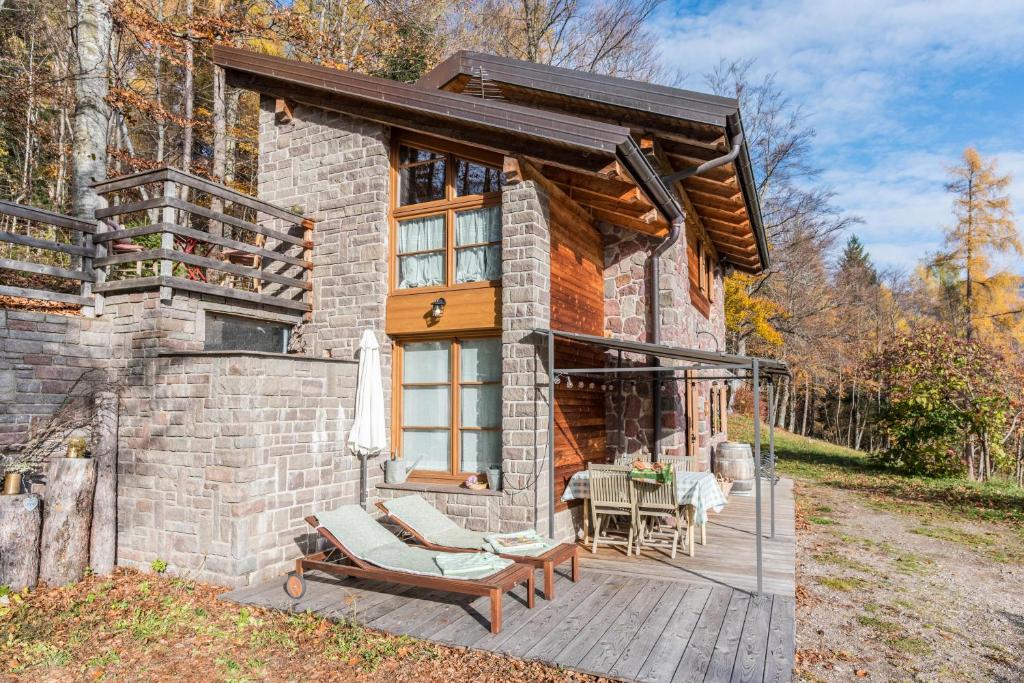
(676, 129)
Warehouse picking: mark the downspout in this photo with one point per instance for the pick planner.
(658, 188)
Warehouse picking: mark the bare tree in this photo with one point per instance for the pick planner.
(601, 36)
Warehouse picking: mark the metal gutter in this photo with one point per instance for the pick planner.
(734, 127)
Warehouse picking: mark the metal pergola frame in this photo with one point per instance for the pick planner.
(736, 367)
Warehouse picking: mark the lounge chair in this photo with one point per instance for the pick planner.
(436, 531)
(362, 548)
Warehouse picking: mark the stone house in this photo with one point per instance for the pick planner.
(460, 218)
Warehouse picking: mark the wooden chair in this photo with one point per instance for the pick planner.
(653, 502)
(688, 463)
(611, 496)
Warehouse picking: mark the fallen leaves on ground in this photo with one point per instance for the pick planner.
(134, 626)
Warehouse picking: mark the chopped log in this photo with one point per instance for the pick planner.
(67, 519)
(103, 543)
(21, 518)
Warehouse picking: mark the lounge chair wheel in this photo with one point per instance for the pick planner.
(295, 586)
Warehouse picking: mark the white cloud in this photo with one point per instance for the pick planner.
(892, 88)
(904, 203)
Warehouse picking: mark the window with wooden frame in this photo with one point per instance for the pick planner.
(701, 265)
(446, 216)
(448, 406)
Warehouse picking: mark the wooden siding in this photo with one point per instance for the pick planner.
(577, 305)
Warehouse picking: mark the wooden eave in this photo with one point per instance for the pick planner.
(689, 128)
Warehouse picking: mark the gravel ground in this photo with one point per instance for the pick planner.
(896, 591)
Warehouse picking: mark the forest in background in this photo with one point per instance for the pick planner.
(921, 367)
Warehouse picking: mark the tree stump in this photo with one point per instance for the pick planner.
(103, 543)
(21, 518)
(67, 519)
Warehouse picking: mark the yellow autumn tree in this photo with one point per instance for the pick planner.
(984, 227)
(748, 313)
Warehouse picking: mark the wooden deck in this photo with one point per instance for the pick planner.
(646, 619)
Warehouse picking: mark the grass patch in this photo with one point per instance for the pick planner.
(844, 468)
(839, 560)
(824, 521)
(945, 533)
(843, 584)
(909, 563)
(876, 624)
(910, 646)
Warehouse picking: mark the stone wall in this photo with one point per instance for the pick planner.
(627, 316)
(42, 357)
(222, 456)
(335, 169)
(525, 306)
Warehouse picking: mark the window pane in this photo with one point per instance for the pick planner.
(473, 178)
(480, 450)
(478, 264)
(480, 360)
(478, 226)
(238, 333)
(425, 362)
(422, 270)
(411, 155)
(421, 234)
(481, 405)
(426, 407)
(422, 182)
(432, 450)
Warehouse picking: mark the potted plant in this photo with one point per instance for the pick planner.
(14, 466)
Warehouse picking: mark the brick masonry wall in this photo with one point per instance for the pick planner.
(223, 456)
(525, 306)
(335, 169)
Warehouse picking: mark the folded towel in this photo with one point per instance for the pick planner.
(456, 564)
(520, 542)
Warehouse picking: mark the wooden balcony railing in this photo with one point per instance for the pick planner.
(173, 230)
(45, 255)
(162, 229)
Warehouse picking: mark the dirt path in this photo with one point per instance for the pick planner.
(891, 591)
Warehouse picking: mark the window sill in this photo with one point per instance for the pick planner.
(428, 487)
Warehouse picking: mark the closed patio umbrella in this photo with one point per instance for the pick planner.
(368, 436)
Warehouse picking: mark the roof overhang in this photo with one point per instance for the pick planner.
(685, 128)
(563, 140)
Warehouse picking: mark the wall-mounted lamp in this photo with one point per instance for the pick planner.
(437, 308)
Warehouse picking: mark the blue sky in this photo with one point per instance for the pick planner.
(895, 89)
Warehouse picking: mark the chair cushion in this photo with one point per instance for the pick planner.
(460, 538)
(420, 515)
(369, 541)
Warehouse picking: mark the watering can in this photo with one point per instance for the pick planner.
(395, 471)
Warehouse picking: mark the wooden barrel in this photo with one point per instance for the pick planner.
(734, 461)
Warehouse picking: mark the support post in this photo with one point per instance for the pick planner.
(755, 381)
(771, 450)
(168, 217)
(103, 538)
(551, 434)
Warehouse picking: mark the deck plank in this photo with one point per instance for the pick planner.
(753, 642)
(636, 651)
(664, 657)
(723, 657)
(697, 656)
(545, 615)
(778, 666)
(606, 651)
(600, 624)
(560, 621)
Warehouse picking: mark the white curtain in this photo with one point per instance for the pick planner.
(480, 226)
(421, 234)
